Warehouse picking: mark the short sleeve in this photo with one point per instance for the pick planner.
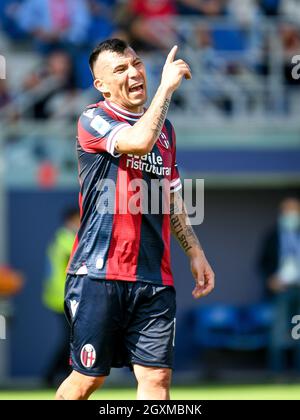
(97, 131)
(175, 184)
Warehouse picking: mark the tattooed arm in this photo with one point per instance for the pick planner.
(185, 235)
(182, 231)
(139, 139)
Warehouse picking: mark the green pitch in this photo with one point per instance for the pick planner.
(221, 392)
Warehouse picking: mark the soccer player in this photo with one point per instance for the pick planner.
(120, 296)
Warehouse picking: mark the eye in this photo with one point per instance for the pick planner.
(120, 70)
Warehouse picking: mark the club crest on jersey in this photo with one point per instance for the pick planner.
(88, 356)
(163, 140)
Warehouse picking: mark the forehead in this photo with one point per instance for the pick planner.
(109, 60)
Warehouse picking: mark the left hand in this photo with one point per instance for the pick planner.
(203, 274)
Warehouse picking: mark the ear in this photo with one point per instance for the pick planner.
(101, 86)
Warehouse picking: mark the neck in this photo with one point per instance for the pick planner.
(134, 109)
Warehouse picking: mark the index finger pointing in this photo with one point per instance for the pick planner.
(171, 55)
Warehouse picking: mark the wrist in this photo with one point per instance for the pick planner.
(165, 91)
(195, 252)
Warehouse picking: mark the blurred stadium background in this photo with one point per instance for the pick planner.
(237, 127)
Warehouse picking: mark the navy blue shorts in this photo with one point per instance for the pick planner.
(117, 323)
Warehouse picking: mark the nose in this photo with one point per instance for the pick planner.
(132, 71)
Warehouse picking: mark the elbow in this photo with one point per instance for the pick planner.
(142, 148)
(134, 142)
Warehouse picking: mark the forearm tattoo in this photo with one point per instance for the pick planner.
(184, 233)
(160, 118)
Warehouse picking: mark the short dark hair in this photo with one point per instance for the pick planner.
(114, 45)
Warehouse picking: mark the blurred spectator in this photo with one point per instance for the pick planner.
(11, 281)
(290, 38)
(202, 7)
(54, 23)
(271, 7)
(8, 11)
(213, 70)
(58, 254)
(225, 76)
(103, 23)
(280, 266)
(245, 12)
(55, 79)
(5, 96)
(290, 9)
(151, 24)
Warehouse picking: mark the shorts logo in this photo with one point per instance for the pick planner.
(88, 355)
(73, 304)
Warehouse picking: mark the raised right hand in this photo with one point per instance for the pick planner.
(174, 71)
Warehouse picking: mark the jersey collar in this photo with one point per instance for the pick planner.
(121, 112)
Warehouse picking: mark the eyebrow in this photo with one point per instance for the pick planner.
(119, 66)
(125, 63)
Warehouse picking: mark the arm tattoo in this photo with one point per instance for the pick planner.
(184, 233)
(160, 118)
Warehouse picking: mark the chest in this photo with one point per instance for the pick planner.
(157, 163)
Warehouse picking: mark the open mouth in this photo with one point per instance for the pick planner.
(137, 88)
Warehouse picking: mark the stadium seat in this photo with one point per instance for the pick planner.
(215, 325)
(256, 321)
(232, 327)
(229, 39)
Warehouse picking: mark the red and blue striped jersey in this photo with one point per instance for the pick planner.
(117, 244)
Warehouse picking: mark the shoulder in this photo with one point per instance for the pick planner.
(93, 110)
(96, 120)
